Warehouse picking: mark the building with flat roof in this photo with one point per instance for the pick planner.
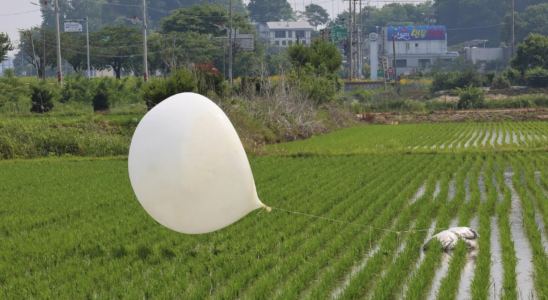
(284, 33)
(417, 47)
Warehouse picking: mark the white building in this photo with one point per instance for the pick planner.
(284, 33)
(416, 47)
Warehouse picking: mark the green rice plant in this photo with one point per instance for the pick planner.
(509, 259)
(450, 283)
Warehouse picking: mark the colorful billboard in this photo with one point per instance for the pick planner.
(416, 33)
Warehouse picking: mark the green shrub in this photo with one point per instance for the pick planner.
(489, 76)
(212, 82)
(41, 96)
(159, 89)
(451, 80)
(76, 88)
(537, 77)
(319, 84)
(101, 97)
(513, 75)
(470, 97)
(500, 82)
(361, 94)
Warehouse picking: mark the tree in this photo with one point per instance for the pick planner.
(316, 15)
(202, 19)
(319, 53)
(35, 36)
(270, 10)
(533, 20)
(532, 53)
(73, 50)
(118, 47)
(5, 46)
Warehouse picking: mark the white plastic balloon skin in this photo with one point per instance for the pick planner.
(188, 167)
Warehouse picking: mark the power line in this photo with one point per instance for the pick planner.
(19, 13)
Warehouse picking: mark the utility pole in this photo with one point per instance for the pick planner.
(173, 55)
(43, 64)
(145, 52)
(350, 56)
(35, 60)
(360, 54)
(395, 66)
(513, 29)
(230, 45)
(59, 66)
(87, 43)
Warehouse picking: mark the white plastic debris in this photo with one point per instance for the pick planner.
(449, 238)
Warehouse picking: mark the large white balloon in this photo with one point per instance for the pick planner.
(188, 167)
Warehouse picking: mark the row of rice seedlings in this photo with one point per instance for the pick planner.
(423, 276)
(341, 265)
(294, 285)
(352, 209)
(482, 129)
(449, 285)
(468, 141)
(359, 283)
(296, 235)
(447, 215)
(534, 236)
(457, 132)
(480, 286)
(437, 135)
(540, 201)
(388, 286)
(509, 257)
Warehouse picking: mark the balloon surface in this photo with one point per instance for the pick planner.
(188, 167)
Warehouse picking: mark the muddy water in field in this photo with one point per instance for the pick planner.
(468, 272)
(419, 262)
(507, 137)
(452, 189)
(499, 140)
(437, 190)
(493, 137)
(470, 139)
(524, 268)
(522, 138)
(496, 259)
(467, 189)
(440, 273)
(420, 192)
(486, 138)
(514, 137)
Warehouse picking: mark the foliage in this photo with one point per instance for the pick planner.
(319, 84)
(76, 88)
(319, 53)
(199, 18)
(537, 77)
(532, 53)
(12, 90)
(41, 96)
(32, 45)
(532, 20)
(116, 47)
(514, 76)
(496, 65)
(101, 98)
(470, 97)
(316, 15)
(5, 46)
(270, 10)
(211, 82)
(500, 82)
(451, 80)
(159, 89)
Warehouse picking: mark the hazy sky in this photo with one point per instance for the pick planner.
(10, 23)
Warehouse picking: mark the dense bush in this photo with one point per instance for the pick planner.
(500, 82)
(41, 97)
(489, 76)
(452, 80)
(101, 98)
(76, 88)
(470, 97)
(319, 84)
(514, 76)
(211, 82)
(537, 77)
(159, 89)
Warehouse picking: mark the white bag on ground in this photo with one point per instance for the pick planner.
(449, 238)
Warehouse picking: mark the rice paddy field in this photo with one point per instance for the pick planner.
(74, 229)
